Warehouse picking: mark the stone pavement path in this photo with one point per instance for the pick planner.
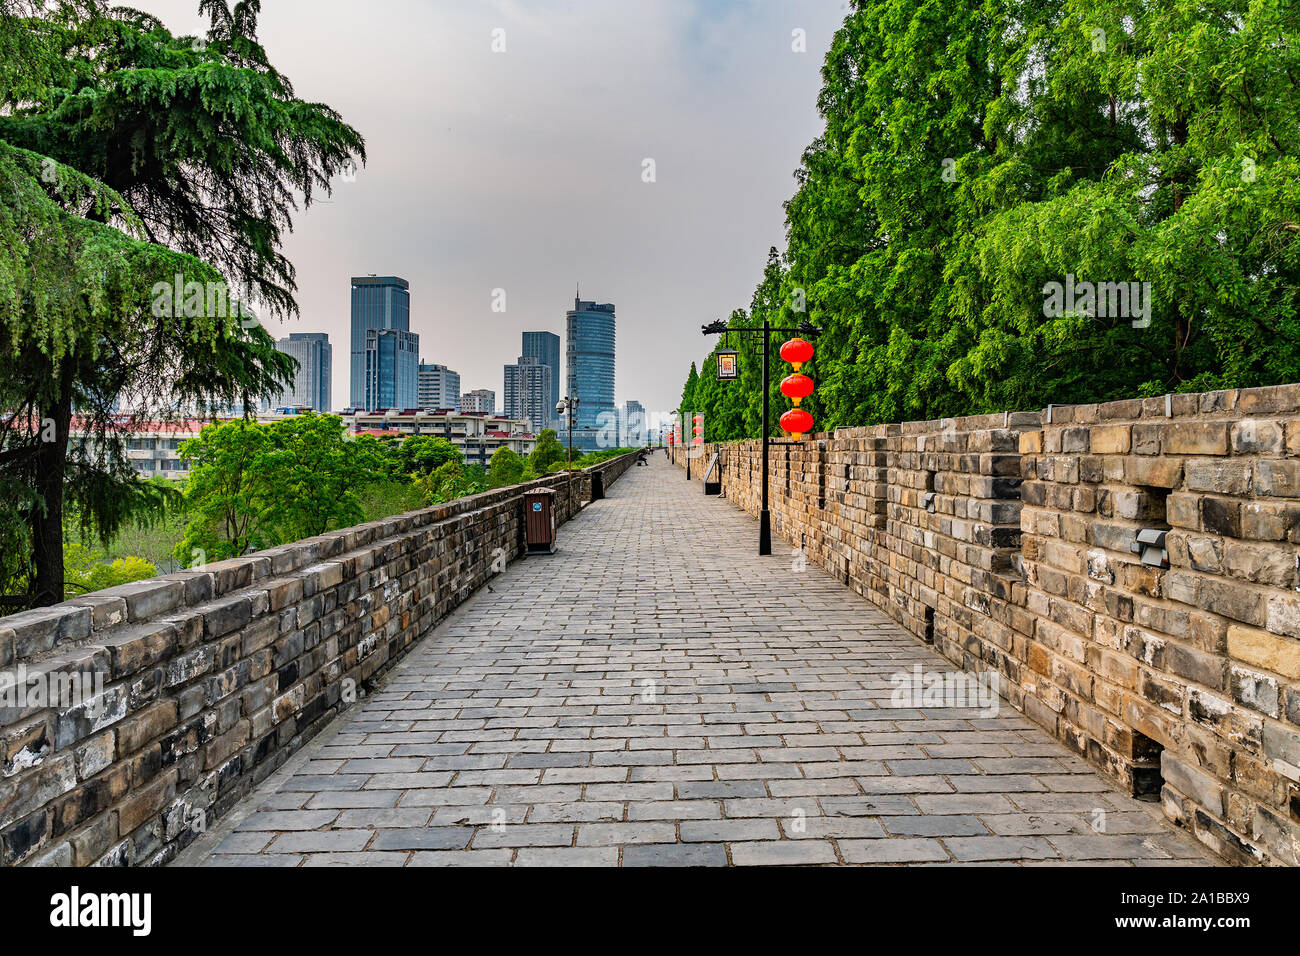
(656, 694)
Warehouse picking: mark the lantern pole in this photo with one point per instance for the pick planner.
(690, 446)
(805, 328)
(764, 517)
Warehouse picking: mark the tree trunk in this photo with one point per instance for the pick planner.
(47, 524)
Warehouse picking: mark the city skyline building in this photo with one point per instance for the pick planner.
(527, 392)
(381, 304)
(391, 359)
(634, 428)
(590, 328)
(312, 383)
(545, 347)
(439, 387)
(482, 400)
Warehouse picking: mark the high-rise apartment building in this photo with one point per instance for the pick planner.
(590, 369)
(382, 304)
(528, 392)
(312, 382)
(634, 429)
(545, 347)
(439, 387)
(480, 400)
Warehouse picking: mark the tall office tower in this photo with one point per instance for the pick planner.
(480, 400)
(439, 387)
(378, 302)
(528, 392)
(634, 425)
(391, 358)
(311, 383)
(590, 362)
(545, 347)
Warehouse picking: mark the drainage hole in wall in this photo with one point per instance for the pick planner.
(1147, 781)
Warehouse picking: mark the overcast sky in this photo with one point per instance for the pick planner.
(523, 170)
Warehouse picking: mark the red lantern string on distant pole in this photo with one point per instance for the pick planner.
(797, 421)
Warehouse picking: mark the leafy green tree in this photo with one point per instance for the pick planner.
(505, 468)
(451, 481)
(87, 571)
(312, 475)
(227, 495)
(133, 160)
(547, 452)
(421, 454)
(252, 485)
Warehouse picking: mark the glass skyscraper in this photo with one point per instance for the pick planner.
(382, 303)
(590, 359)
(392, 357)
(545, 347)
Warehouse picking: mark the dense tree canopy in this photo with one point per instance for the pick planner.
(984, 159)
(252, 485)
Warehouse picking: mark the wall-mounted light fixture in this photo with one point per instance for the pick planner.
(1150, 547)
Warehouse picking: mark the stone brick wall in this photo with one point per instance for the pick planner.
(213, 677)
(1007, 541)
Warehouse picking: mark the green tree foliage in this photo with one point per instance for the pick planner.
(547, 452)
(451, 481)
(130, 157)
(976, 151)
(252, 486)
(421, 454)
(505, 468)
(87, 570)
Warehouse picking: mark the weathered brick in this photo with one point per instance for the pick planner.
(1259, 648)
(1195, 438)
(1279, 478)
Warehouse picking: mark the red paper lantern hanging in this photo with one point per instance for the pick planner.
(796, 387)
(797, 422)
(796, 352)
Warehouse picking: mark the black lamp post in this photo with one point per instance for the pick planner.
(727, 372)
(569, 405)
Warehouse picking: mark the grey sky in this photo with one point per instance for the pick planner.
(523, 170)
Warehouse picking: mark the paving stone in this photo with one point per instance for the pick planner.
(675, 810)
(967, 849)
(891, 850)
(937, 825)
(617, 834)
(423, 838)
(568, 856)
(675, 854)
(725, 831)
(244, 843)
(525, 834)
(388, 817)
(366, 858)
(782, 853)
(502, 857)
(321, 841)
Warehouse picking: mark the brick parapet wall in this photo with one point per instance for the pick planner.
(214, 676)
(1006, 540)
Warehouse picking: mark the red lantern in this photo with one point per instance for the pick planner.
(796, 352)
(796, 387)
(797, 422)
